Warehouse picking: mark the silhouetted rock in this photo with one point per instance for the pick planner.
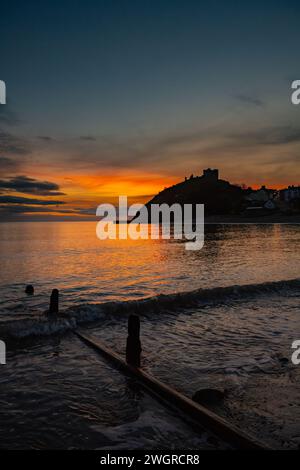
(54, 300)
(284, 360)
(209, 396)
(29, 289)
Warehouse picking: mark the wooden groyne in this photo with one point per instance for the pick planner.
(199, 414)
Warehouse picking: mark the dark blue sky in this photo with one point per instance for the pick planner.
(115, 66)
(161, 87)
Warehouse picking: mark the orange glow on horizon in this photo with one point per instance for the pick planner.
(86, 191)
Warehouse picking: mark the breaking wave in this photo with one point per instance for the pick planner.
(43, 325)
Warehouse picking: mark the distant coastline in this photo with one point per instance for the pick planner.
(275, 218)
(225, 202)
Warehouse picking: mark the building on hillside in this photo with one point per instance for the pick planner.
(270, 205)
(261, 196)
(290, 194)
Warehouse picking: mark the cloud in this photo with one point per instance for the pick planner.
(249, 100)
(11, 144)
(24, 212)
(278, 135)
(87, 137)
(8, 117)
(19, 209)
(25, 200)
(45, 138)
(24, 184)
(8, 164)
(186, 150)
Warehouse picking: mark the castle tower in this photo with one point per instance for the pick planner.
(211, 174)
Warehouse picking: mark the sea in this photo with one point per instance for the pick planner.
(221, 317)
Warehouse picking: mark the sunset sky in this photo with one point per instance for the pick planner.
(108, 98)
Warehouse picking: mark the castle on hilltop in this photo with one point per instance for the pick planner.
(211, 174)
(208, 175)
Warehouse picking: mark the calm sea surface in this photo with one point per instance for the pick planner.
(68, 256)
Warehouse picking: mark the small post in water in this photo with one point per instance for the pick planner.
(29, 290)
(133, 346)
(53, 308)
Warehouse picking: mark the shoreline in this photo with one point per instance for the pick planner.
(265, 219)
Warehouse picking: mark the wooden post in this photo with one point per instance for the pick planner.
(53, 308)
(133, 345)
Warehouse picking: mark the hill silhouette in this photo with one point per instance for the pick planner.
(219, 196)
